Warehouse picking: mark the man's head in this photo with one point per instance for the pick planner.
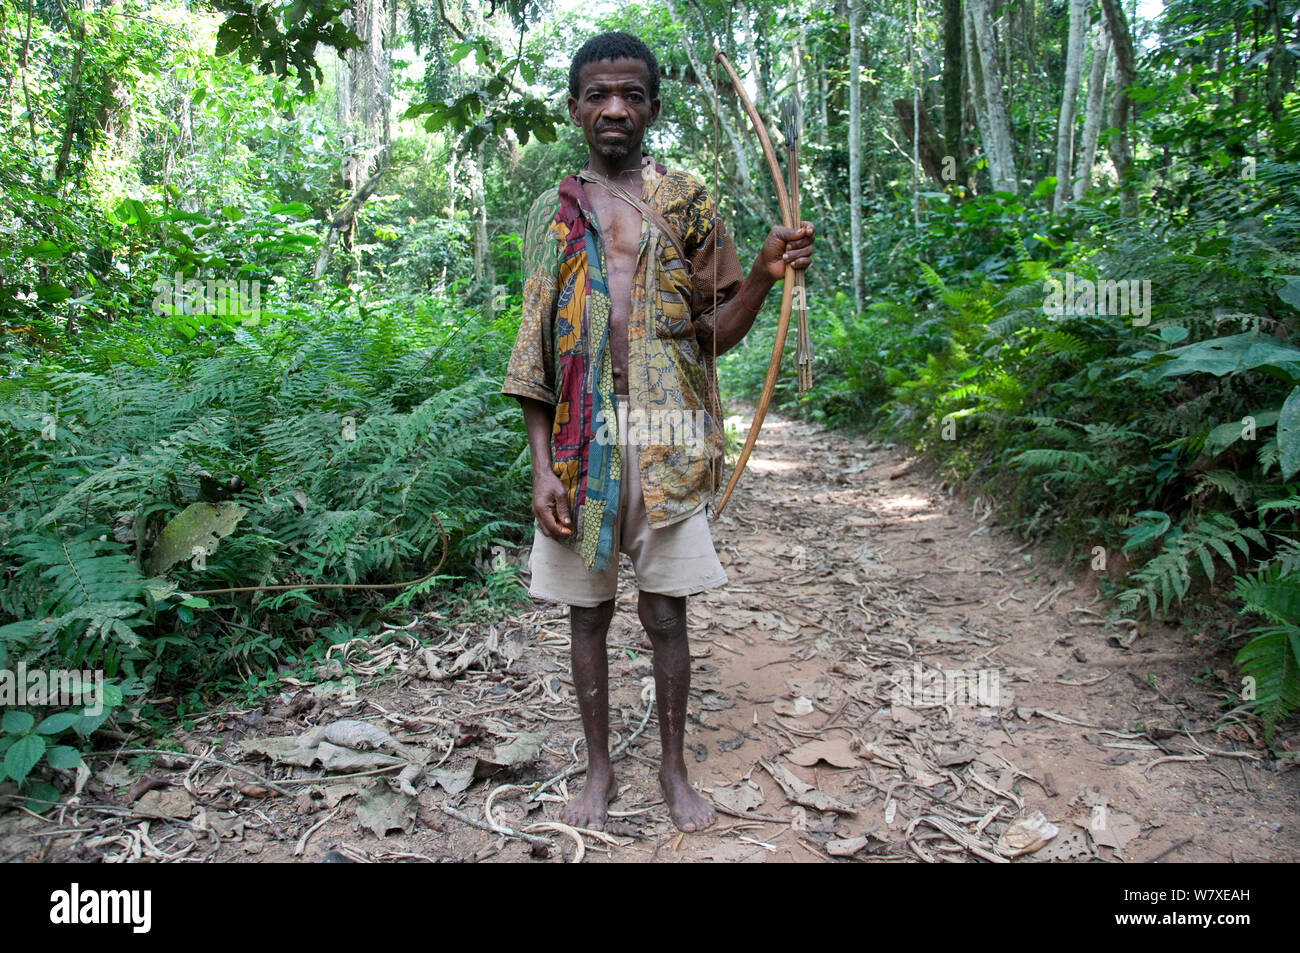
(614, 93)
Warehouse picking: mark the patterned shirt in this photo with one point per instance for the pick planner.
(562, 354)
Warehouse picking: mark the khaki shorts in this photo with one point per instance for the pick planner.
(677, 560)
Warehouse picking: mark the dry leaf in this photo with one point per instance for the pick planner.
(382, 810)
(906, 716)
(739, 797)
(523, 749)
(1027, 834)
(845, 847)
(834, 752)
(173, 802)
(793, 707)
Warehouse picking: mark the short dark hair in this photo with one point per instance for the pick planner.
(614, 46)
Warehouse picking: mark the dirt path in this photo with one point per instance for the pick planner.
(822, 717)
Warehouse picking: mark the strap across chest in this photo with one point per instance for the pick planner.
(654, 215)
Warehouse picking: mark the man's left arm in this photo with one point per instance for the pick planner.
(739, 302)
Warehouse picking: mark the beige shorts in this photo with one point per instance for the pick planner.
(677, 560)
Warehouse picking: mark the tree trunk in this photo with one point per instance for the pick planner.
(1002, 163)
(1092, 112)
(742, 163)
(975, 87)
(926, 143)
(855, 148)
(1121, 152)
(72, 116)
(952, 87)
(1069, 99)
(483, 270)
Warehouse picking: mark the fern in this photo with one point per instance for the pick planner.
(1272, 658)
(1166, 578)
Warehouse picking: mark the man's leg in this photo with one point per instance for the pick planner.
(587, 628)
(664, 618)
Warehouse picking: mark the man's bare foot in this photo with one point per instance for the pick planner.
(690, 810)
(590, 808)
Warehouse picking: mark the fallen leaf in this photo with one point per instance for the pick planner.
(453, 782)
(739, 797)
(834, 752)
(523, 749)
(715, 701)
(382, 810)
(845, 847)
(793, 707)
(1116, 829)
(148, 782)
(1069, 846)
(1027, 834)
(801, 792)
(906, 716)
(172, 802)
(818, 688)
(333, 793)
(918, 770)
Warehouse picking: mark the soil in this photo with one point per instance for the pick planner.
(916, 679)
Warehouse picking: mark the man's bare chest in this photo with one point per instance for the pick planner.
(620, 232)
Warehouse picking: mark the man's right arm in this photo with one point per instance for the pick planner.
(530, 378)
(550, 502)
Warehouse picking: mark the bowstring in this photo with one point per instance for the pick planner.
(717, 238)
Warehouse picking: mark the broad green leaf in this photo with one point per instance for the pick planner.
(59, 721)
(53, 293)
(23, 755)
(16, 722)
(63, 757)
(1288, 435)
(44, 795)
(87, 724)
(1225, 435)
(1229, 355)
(1290, 292)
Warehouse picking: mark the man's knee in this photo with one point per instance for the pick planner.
(662, 616)
(591, 621)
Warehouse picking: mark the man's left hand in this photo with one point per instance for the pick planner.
(787, 246)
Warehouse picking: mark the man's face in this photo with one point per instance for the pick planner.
(613, 106)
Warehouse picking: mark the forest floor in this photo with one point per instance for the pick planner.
(884, 678)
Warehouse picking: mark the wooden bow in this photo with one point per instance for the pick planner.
(787, 294)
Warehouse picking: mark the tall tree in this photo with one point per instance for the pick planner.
(363, 101)
(855, 147)
(1121, 152)
(1092, 111)
(1069, 98)
(982, 54)
(953, 111)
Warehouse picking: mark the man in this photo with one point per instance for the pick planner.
(622, 320)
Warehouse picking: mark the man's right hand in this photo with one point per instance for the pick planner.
(551, 505)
